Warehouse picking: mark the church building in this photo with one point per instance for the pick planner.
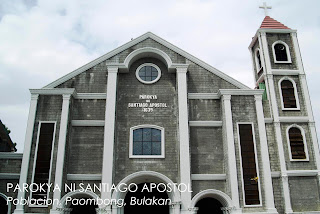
(149, 113)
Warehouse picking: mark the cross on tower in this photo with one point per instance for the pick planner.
(265, 8)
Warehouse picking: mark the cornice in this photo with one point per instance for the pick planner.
(53, 91)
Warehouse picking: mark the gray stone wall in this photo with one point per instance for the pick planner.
(198, 186)
(129, 89)
(201, 80)
(206, 150)
(94, 80)
(285, 37)
(266, 108)
(278, 195)
(304, 192)
(290, 113)
(204, 110)
(88, 109)
(85, 150)
(298, 165)
(10, 165)
(273, 148)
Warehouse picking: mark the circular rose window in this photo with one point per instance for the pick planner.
(148, 73)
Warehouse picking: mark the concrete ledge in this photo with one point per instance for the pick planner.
(268, 120)
(294, 119)
(13, 176)
(275, 174)
(296, 173)
(300, 173)
(10, 155)
(87, 177)
(285, 72)
(205, 123)
(204, 96)
(208, 177)
(91, 96)
(87, 122)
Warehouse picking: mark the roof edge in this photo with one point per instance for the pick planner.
(136, 41)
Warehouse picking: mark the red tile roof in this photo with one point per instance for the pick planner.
(271, 23)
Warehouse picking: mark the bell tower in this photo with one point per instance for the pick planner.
(278, 69)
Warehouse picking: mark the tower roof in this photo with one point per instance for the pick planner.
(271, 23)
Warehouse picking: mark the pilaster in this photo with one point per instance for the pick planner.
(27, 150)
(265, 49)
(109, 128)
(185, 174)
(268, 190)
(61, 148)
(278, 136)
(311, 123)
(232, 166)
(175, 207)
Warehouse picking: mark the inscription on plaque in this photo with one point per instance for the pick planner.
(147, 103)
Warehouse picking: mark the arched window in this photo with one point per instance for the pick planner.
(258, 60)
(289, 94)
(281, 53)
(297, 143)
(146, 141)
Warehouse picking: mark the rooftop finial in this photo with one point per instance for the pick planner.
(265, 8)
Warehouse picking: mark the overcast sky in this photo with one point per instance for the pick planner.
(41, 41)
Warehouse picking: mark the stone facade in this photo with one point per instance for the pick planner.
(209, 156)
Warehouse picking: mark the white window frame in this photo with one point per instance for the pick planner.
(148, 64)
(304, 143)
(287, 51)
(295, 94)
(51, 159)
(147, 156)
(257, 61)
(257, 165)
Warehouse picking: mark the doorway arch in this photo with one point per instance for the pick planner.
(217, 199)
(147, 177)
(89, 208)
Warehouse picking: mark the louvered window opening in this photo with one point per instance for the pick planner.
(288, 96)
(296, 144)
(43, 156)
(250, 179)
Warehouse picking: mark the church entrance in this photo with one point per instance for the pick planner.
(209, 205)
(143, 201)
(83, 209)
(3, 205)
